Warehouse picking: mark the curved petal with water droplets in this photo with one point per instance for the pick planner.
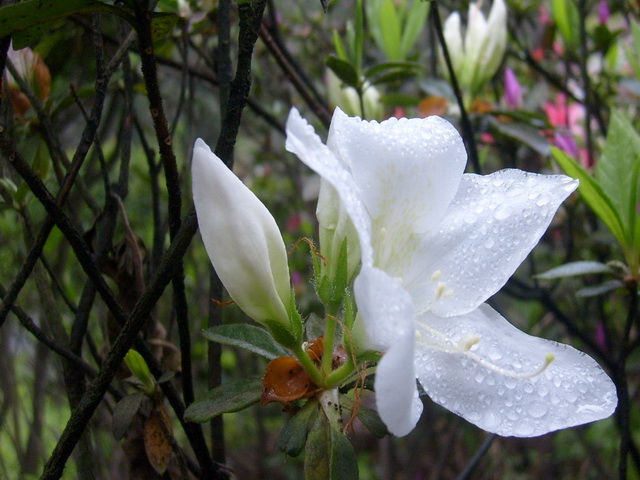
(397, 397)
(480, 385)
(241, 237)
(385, 307)
(489, 229)
(303, 141)
(407, 170)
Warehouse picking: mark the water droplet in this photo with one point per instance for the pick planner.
(524, 429)
(470, 217)
(491, 420)
(537, 409)
(542, 200)
(489, 243)
(528, 388)
(479, 377)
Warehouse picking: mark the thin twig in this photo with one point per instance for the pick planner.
(467, 129)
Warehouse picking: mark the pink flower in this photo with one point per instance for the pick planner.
(512, 90)
(603, 12)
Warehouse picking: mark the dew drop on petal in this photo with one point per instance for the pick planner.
(537, 409)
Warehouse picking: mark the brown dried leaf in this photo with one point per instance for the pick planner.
(432, 106)
(157, 429)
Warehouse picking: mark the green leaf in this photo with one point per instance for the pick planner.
(601, 289)
(229, 397)
(249, 337)
(522, 132)
(339, 46)
(574, 269)
(162, 24)
(123, 414)
(329, 454)
(293, 435)
(565, 14)
(140, 370)
(416, 18)
(398, 75)
(617, 172)
(27, 21)
(390, 27)
(344, 463)
(592, 193)
(384, 66)
(359, 37)
(371, 419)
(344, 71)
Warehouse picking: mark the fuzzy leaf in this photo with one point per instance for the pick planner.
(249, 337)
(293, 435)
(574, 269)
(592, 193)
(123, 414)
(232, 396)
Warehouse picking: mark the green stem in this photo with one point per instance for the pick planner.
(310, 367)
(339, 374)
(327, 355)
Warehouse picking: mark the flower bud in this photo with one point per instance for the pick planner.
(241, 238)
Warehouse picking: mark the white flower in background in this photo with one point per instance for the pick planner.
(435, 244)
(477, 58)
(241, 238)
(346, 98)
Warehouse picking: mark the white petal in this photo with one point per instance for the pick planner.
(385, 307)
(453, 37)
(407, 170)
(489, 229)
(572, 390)
(497, 39)
(303, 141)
(396, 393)
(241, 237)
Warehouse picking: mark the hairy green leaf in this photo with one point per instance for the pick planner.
(574, 269)
(592, 193)
(123, 414)
(293, 435)
(229, 397)
(249, 337)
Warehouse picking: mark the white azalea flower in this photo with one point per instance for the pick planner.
(435, 244)
(477, 58)
(242, 239)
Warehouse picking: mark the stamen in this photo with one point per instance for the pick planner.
(440, 289)
(436, 275)
(512, 373)
(440, 342)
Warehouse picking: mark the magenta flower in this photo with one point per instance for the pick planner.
(512, 90)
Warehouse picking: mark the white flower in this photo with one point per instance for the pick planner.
(476, 59)
(435, 244)
(241, 238)
(347, 99)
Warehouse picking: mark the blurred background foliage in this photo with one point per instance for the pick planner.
(565, 67)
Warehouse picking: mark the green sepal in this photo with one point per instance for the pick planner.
(341, 279)
(349, 316)
(293, 435)
(229, 397)
(295, 319)
(281, 334)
